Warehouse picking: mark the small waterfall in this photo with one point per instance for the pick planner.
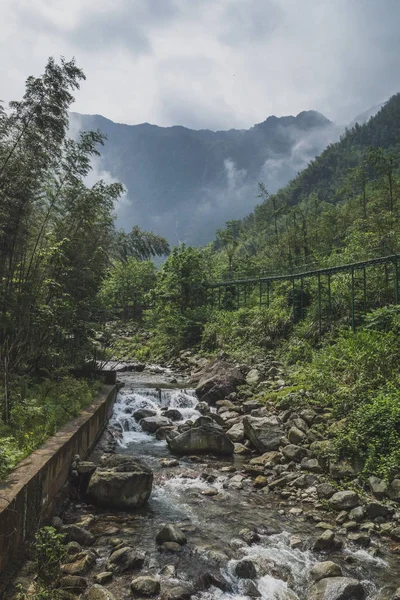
(155, 399)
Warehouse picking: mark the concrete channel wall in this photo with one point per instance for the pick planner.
(28, 497)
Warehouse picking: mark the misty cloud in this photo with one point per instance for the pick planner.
(210, 63)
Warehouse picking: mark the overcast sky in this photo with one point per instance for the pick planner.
(209, 63)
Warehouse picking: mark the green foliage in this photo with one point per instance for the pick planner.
(347, 371)
(372, 434)
(140, 245)
(128, 284)
(49, 552)
(356, 374)
(246, 330)
(38, 411)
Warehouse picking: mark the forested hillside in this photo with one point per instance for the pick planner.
(343, 206)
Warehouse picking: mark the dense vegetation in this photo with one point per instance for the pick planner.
(57, 245)
(344, 207)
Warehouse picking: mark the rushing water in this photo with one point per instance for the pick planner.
(213, 524)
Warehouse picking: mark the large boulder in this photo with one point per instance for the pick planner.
(205, 438)
(264, 433)
(344, 500)
(219, 379)
(152, 424)
(144, 413)
(337, 588)
(121, 482)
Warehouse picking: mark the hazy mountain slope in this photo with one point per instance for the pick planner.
(184, 184)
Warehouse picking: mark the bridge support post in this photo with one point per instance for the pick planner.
(353, 321)
(319, 305)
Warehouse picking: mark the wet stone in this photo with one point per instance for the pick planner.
(344, 500)
(125, 559)
(73, 583)
(171, 547)
(245, 569)
(74, 533)
(171, 533)
(103, 578)
(321, 570)
(145, 586)
(98, 592)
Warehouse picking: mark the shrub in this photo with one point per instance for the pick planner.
(372, 434)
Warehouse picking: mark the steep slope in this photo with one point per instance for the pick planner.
(345, 202)
(184, 184)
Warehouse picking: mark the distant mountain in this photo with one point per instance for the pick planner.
(365, 116)
(184, 184)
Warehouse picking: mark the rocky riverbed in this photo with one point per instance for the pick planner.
(202, 492)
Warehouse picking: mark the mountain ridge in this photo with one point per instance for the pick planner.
(184, 183)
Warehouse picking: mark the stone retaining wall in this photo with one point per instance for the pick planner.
(28, 496)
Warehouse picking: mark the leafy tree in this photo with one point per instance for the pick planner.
(141, 245)
(128, 284)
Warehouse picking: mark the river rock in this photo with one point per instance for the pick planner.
(236, 433)
(264, 433)
(151, 424)
(357, 514)
(321, 570)
(325, 491)
(311, 464)
(337, 588)
(394, 490)
(164, 432)
(98, 592)
(207, 438)
(80, 564)
(293, 452)
(125, 559)
(103, 577)
(253, 377)
(395, 534)
(249, 588)
(174, 414)
(73, 583)
(241, 449)
(145, 586)
(326, 541)
(212, 578)
(173, 591)
(144, 413)
(171, 533)
(296, 436)
(74, 533)
(73, 548)
(219, 380)
(376, 509)
(360, 539)
(267, 460)
(344, 500)
(245, 569)
(250, 405)
(122, 482)
(379, 487)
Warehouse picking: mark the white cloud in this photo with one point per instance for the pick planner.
(209, 63)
